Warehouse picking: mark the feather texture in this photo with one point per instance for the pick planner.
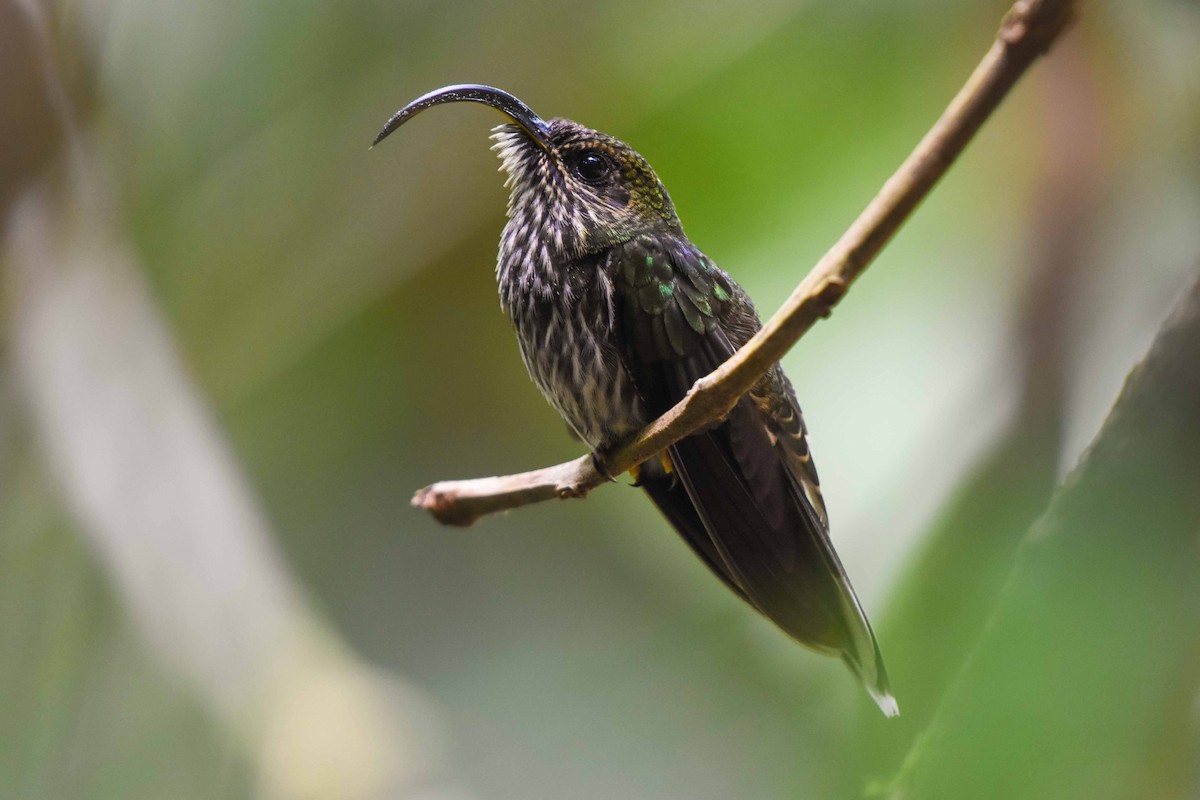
(617, 314)
(749, 479)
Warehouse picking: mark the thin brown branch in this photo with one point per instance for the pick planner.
(1028, 30)
(463, 502)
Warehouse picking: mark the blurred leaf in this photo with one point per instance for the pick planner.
(1082, 684)
(337, 311)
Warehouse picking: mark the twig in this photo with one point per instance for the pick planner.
(463, 502)
(1028, 30)
(978, 531)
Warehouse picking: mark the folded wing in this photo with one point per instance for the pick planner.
(744, 493)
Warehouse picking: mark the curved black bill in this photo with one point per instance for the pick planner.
(498, 99)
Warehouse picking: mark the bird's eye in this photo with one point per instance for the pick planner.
(591, 167)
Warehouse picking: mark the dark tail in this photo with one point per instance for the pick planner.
(744, 513)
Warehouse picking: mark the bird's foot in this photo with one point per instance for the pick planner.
(600, 462)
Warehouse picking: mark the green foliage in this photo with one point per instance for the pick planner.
(336, 307)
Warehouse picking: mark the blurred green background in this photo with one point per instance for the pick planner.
(236, 341)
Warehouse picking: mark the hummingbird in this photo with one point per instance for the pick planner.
(617, 313)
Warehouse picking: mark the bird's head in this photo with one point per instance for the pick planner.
(573, 190)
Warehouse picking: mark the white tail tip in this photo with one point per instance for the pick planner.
(887, 704)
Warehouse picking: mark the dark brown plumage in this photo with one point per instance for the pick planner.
(618, 314)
